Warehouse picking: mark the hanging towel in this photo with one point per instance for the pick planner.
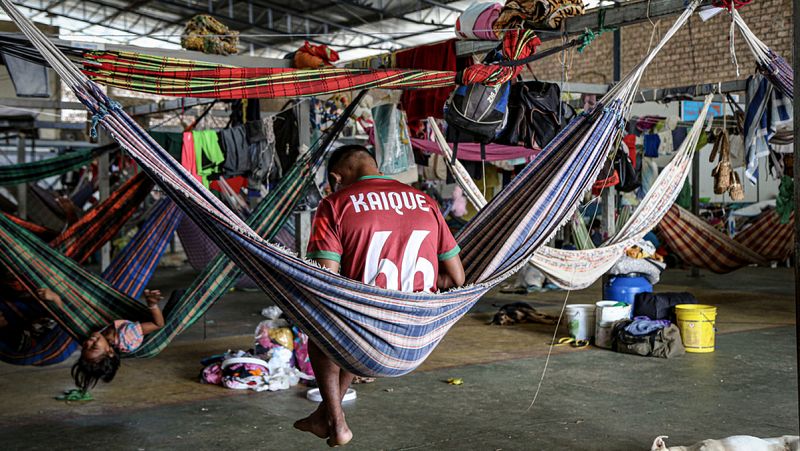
(420, 104)
(208, 154)
(651, 144)
(233, 142)
(188, 157)
(768, 111)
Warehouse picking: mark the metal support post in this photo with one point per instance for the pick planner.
(609, 200)
(103, 170)
(796, 57)
(22, 188)
(302, 224)
(696, 196)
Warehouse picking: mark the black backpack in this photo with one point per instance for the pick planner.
(474, 113)
(534, 118)
(628, 177)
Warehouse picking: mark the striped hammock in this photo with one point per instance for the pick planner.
(366, 329)
(574, 270)
(129, 272)
(186, 78)
(15, 174)
(701, 245)
(768, 237)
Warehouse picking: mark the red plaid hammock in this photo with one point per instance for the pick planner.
(186, 78)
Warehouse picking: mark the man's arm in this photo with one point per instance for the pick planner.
(451, 273)
(333, 265)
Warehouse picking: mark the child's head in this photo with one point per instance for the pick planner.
(99, 361)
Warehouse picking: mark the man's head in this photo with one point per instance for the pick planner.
(348, 163)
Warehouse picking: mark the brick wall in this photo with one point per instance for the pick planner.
(697, 54)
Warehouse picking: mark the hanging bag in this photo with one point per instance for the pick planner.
(736, 190)
(722, 172)
(534, 118)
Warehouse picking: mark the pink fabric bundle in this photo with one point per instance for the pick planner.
(477, 21)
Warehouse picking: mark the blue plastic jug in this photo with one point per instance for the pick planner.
(624, 288)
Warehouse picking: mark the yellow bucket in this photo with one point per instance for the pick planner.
(696, 322)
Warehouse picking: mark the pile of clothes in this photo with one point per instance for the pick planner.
(652, 332)
(643, 259)
(278, 360)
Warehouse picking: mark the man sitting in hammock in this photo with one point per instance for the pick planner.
(100, 353)
(381, 232)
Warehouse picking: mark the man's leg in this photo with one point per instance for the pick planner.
(328, 420)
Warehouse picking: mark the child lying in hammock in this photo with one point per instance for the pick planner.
(100, 356)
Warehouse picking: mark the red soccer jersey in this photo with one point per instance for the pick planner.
(384, 233)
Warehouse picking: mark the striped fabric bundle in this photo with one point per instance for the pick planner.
(14, 174)
(700, 245)
(772, 65)
(186, 78)
(575, 270)
(366, 329)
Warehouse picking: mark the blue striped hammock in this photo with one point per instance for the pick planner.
(366, 329)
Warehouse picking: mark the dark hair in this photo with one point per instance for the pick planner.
(341, 154)
(88, 373)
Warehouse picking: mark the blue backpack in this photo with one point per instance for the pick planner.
(475, 113)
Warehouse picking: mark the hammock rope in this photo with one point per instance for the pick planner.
(772, 65)
(366, 329)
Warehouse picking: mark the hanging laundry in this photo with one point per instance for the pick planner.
(630, 143)
(287, 141)
(188, 156)
(678, 136)
(665, 146)
(651, 144)
(738, 153)
(208, 154)
(263, 161)
(649, 174)
(171, 142)
(421, 104)
(768, 112)
(233, 142)
(392, 141)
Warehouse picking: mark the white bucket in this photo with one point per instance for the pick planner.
(580, 321)
(608, 312)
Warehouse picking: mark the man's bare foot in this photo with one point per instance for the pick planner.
(340, 435)
(316, 423)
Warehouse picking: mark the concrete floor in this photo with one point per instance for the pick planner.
(590, 398)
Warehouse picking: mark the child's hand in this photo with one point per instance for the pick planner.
(153, 297)
(49, 295)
